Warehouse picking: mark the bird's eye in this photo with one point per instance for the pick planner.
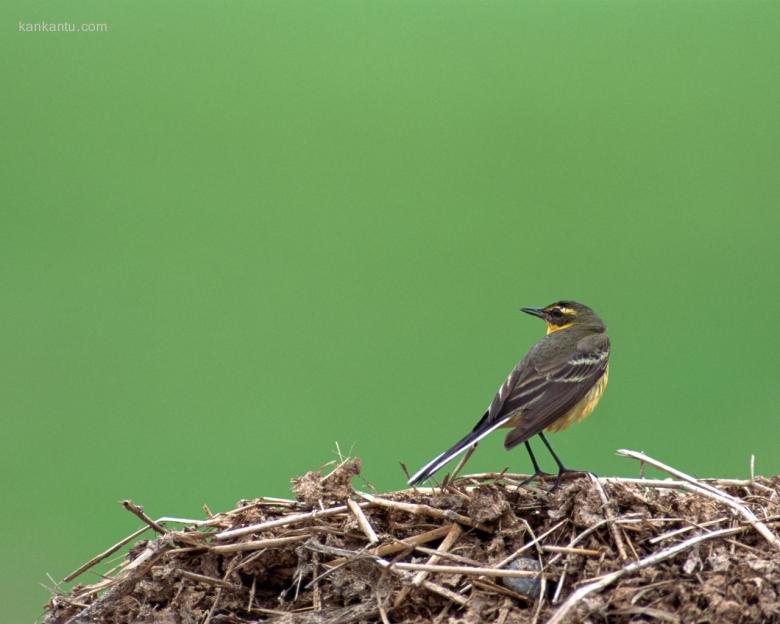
(556, 312)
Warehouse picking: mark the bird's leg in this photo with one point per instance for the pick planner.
(538, 472)
(561, 468)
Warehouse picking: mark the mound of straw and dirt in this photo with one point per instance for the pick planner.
(480, 548)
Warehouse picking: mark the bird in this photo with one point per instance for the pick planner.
(558, 383)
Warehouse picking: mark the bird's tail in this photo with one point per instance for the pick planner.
(479, 432)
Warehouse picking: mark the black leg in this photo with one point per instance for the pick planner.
(561, 468)
(538, 472)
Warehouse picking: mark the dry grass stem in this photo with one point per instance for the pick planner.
(202, 578)
(449, 540)
(630, 568)
(534, 541)
(258, 544)
(285, 521)
(587, 552)
(426, 510)
(106, 553)
(362, 521)
(408, 543)
(610, 517)
(447, 555)
(138, 511)
(465, 570)
(707, 490)
(669, 534)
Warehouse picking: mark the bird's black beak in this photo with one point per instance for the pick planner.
(534, 312)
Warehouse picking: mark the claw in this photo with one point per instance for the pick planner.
(563, 471)
(539, 474)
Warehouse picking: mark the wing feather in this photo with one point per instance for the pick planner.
(556, 389)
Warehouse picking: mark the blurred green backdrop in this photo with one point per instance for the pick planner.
(233, 234)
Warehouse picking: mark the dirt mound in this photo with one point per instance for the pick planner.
(482, 549)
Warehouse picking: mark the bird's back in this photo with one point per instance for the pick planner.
(551, 381)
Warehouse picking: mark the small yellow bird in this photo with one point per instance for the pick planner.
(558, 382)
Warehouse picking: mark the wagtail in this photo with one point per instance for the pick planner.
(558, 382)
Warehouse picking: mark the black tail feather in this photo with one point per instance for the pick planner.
(480, 431)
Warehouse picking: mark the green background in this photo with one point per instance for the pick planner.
(233, 234)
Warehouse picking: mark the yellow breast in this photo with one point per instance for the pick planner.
(584, 406)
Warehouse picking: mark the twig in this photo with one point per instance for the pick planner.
(443, 591)
(585, 552)
(285, 521)
(202, 578)
(396, 568)
(214, 605)
(667, 482)
(503, 612)
(429, 585)
(624, 520)
(138, 511)
(610, 519)
(749, 483)
(425, 510)
(465, 570)
(214, 521)
(693, 527)
(562, 579)
(266, 611)
(132, 573)
(630, 542)
(712, 492)
(401, 545)
(194, 539)
(492, 476)
(511, 478)
(670, 483)
(463, 461)
(316, 593)
(257, 544)
(106, 553)
(542, 577)
(382, 612)
(416, 567)
(449, 540)
(249, 559)
(630, 568)
(488, 585)
(448, 555)
(263, 500)
(656, 614)
(252, 594)
(672, 471)
(530, 544)
(362, 521)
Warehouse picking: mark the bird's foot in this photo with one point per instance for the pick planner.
(538, 475)
(567, 471)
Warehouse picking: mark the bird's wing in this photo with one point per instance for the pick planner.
(548, 387)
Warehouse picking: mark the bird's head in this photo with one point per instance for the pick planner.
(563, 314)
